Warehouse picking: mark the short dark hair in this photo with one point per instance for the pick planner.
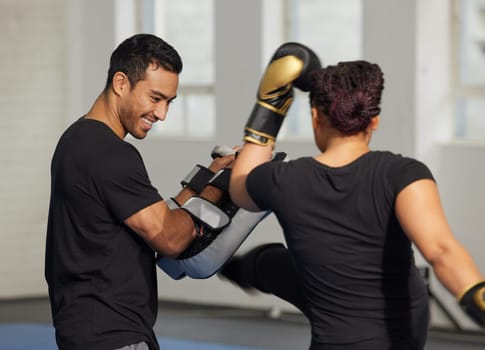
(349, 93)
(135, 54)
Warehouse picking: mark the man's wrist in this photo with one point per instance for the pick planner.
(212, 193)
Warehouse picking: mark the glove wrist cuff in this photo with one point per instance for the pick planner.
(469, 290)
(263, 125)
(206, 213)
(255, 137)
(473, 302)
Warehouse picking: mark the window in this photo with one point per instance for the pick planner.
(189, 26)
(333, 30)
(469, 77)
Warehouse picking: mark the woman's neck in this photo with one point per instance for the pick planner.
(343, 150)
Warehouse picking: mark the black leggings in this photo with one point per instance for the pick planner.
(275, 274)
(270, 269)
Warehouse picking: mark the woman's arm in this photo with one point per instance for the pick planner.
(250, 156)
(419, 211)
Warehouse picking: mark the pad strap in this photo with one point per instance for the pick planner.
(197, 178)
(221, 179)
(279, 156)
(206, 213)
(172, 203)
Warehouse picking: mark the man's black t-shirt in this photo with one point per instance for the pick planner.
(355, 261)
(101, 275)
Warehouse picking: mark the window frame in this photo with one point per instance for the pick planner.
(461, 92)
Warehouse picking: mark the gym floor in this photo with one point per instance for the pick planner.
(241, 327)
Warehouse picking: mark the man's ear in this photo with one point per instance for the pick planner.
(120, 83)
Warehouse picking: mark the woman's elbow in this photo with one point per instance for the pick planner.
(237, 189)
(236, 198)
(442, 254)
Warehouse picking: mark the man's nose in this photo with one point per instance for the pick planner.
(161, 111)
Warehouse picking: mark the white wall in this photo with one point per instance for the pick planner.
(460, 172)
(389, 31)
(457, 166)
(32, 107)
(90, 39)
(53, 62)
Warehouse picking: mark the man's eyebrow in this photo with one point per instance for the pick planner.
(162, 95)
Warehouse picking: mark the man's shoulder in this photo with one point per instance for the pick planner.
(93, 134)
(94, 144)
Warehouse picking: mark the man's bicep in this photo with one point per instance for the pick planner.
(148, 222)
(167, 231)
(123, 184)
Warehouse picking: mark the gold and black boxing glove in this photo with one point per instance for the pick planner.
(289, 67)
(473, 303)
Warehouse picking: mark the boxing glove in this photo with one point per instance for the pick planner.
(289, 67)
(473, 303)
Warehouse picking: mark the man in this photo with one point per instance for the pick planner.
(106, 220)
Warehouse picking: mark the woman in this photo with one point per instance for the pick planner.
(349, 217)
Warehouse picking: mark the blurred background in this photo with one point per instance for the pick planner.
(54, 56)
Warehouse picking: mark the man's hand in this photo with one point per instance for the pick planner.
(223, 162)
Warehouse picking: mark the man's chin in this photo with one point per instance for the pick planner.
(139, 136)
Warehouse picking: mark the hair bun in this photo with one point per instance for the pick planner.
(349, 94)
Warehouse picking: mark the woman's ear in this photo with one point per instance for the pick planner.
(315, 118)
(374, 123)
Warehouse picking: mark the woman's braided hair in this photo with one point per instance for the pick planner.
(348, 93)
